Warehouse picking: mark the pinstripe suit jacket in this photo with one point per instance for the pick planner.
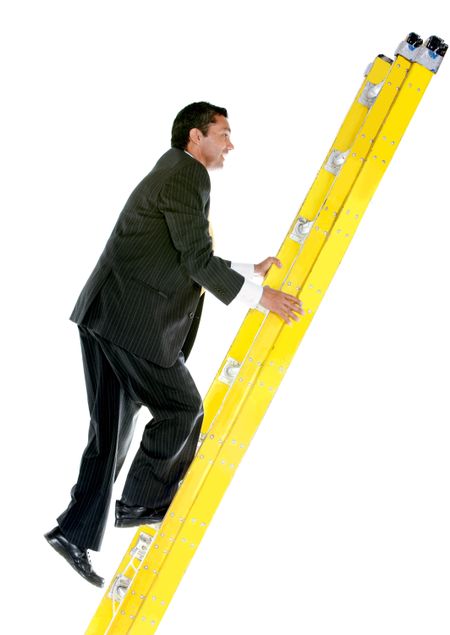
(144, 291)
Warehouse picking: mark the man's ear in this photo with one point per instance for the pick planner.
(195, 135)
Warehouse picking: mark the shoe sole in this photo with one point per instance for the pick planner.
(137, 522)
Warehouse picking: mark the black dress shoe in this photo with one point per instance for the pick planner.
(134, 515)
(76, 557)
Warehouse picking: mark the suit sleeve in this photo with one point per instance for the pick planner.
(183, 202)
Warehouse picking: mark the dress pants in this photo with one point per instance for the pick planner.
(118, 383)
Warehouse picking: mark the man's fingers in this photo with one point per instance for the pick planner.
(288, 311)
(287, 314)
(289, 296)
(287, 306)
(299, 308)
(293, 301)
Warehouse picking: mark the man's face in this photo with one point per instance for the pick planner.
(216, 143)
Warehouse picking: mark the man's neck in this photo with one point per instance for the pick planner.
(193, 151)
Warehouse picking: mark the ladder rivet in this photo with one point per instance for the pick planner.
(131, 617)
(234, 441)
(155, 571)
(154, 598)
(232, 465)
(122, 612)
(133, 592)
(242, 446)
(241, 379)
(145, 566)
(211, 436)
(142, 598)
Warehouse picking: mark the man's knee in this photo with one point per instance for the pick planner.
(196, 411)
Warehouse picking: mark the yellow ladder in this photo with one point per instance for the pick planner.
(264, 346)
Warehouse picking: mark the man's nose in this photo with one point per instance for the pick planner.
(230, 146)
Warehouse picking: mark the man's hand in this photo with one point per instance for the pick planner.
(263, 267)
(283, 304)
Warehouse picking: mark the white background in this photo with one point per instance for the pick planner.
(338, 518)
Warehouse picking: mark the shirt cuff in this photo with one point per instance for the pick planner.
(246, 270)
(250, 294)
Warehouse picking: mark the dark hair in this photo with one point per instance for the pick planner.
(197, 115)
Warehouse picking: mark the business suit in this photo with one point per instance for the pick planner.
(137, 313)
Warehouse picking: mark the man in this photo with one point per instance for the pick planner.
(137, 316)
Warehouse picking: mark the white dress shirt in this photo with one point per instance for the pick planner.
(250, 293)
